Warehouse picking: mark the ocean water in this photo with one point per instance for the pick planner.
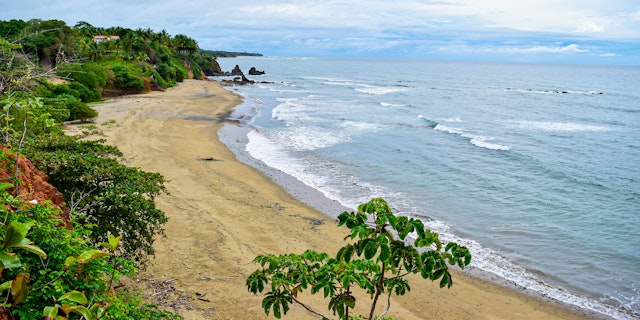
(535, 167)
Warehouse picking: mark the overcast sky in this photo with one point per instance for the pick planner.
(574, 31)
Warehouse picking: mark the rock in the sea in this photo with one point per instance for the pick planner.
(254, 72)
(237, 71)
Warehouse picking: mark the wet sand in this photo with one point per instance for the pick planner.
(223, 213)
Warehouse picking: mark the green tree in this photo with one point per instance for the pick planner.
(378, 262)
(102, 191)
(12, 29)
(184, 44)
(125, 79)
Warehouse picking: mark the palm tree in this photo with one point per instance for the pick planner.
(89, 48)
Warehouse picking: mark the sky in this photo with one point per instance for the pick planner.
(550, 31)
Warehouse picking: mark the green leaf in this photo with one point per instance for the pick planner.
(50, 312)
(276, 300)
(370, 249)
(98, 310)
(83, 312)
(69, 261)
(385, 253)
(5, 186)
(449, 246)
(15, 233)
(112, 242)
(345, 253)
(31, 248)
(9, 260)
(5, 286)
(446, 280)
(90, 255)
(75, 296)
(256, 281)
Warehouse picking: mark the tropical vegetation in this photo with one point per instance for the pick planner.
(64, 262)
(375, 261)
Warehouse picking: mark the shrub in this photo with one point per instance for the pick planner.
(66, 107)
(167, 72)
(125, 79)
(55, 265)
(91, 75)
(104, 192)
(75, 89)
(377, 262)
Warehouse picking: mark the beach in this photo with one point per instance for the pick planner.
(222, 213)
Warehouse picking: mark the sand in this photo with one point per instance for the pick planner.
(222, 213)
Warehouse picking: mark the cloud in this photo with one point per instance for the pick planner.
(571, 48)
(514, 50)
(635, 16)
(400, 28)
(590, 27)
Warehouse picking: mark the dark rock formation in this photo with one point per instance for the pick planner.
(237, 71)
(214, 70)
(255, 72)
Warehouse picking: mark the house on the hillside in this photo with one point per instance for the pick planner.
(102, 38)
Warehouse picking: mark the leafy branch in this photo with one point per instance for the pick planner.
(377, 260)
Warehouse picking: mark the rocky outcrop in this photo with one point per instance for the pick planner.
(237, 71)
(34, 186)
(254, 72)
(214, 70)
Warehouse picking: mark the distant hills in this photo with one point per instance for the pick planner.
(229, 54)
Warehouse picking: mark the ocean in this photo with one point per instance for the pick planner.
(534, 167)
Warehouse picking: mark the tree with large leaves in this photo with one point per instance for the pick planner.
(378, 261)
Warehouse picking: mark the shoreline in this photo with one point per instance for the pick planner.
(224, 212)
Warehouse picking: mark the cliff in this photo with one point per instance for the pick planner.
(33, 186)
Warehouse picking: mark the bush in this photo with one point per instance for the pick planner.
(167, 72)
(75, 89)
(57, 108)
(125, 79)
(75, 109)
(106, 193)
(54, 262)
(377, 262)
(91, 75)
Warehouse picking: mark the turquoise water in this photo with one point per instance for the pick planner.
(535, 167)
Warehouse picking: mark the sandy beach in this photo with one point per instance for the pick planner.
(223, 213)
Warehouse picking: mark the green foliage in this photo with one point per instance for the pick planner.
(105, 196)
(52, 42)
(60, 269)
(167, 73)
(90, 75)
(228, 54)
(377, 261)
(66, 107)
(14, 236)
(23, 117)
(125, 79)
(102, 191)
(12, 29)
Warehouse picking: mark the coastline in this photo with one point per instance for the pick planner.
(223, 213)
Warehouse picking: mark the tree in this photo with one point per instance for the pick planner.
(102, 191)
(184, 44)
(12, 29)
(17, 71)
(378, 261)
